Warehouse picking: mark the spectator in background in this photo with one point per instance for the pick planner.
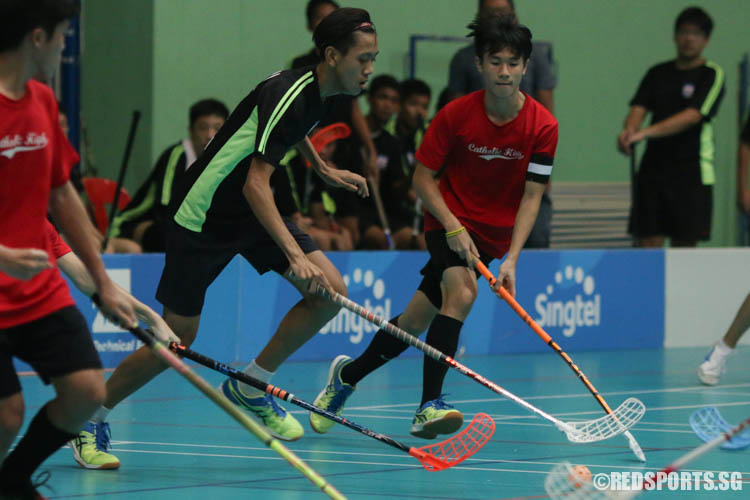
(539, 82)
(384, 100)
(446, 96)
(75, 172)
(299, 196)
(674, 184)
(743, 161)
(409, 127)
(144, 219)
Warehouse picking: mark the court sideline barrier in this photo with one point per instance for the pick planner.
(585, 299)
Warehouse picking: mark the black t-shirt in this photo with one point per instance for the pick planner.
(745, 135)
(396, 182)
(393, 173)
(665, 91)
(307, 59)
(274, 117)
(152, 199)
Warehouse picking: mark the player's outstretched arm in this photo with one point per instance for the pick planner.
(257, 191)
(23, 263)
(333, 176)
(668, 126)
(458, 238)
(71, 217)
(632, 124)
(525, 218)
(72, 266)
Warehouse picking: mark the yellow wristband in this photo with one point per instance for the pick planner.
(460, 230)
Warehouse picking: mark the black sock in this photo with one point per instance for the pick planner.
(42, 439)
(443, 336)
(383, 348)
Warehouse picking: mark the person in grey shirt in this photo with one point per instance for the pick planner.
(538, 82)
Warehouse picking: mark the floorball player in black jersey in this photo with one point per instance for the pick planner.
(225, 207)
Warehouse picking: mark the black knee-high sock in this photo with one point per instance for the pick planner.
(383, 348)
(443, 336)
(42, 439)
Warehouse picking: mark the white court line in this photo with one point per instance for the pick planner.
(390, 464)
(503, 418)
(698, 388)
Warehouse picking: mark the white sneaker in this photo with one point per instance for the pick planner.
(711, 369)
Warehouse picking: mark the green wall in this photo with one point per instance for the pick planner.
(117, 71)
(164, 55)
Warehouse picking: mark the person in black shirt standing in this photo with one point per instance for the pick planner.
(144, 220)
(383, 97)
(674, 185)
(224, 206)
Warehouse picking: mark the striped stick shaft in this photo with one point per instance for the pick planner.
(169, 358)
(706, 447)
(281, 394)
(375, 191)
(438, 356)
(526, 317)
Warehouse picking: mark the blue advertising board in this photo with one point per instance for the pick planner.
(584, 299)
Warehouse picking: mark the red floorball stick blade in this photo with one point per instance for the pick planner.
(327, 135)
(458, 448)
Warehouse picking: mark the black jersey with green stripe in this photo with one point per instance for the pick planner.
(274, 117)
(152, 199)
(667, 90)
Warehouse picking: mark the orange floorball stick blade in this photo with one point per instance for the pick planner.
(453, 451)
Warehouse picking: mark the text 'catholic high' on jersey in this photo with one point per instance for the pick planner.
(275, 116)
(487, 165)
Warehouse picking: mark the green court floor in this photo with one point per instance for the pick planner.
(175, 444)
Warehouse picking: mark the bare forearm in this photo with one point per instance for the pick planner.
(525, 219)
(308, 152)
(76, 271)
(635, 118)
(259, 196)
(363, 131)
(71, 217)
(673, 125)
(427, 189)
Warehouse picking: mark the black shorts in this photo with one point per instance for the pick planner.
(441, 258)
(154, 238)
(676, 205)
(368, 216)
(194, 260)
(55, 345)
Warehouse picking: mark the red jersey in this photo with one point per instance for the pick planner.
(486, 165)
(35, 157)
(59, 247)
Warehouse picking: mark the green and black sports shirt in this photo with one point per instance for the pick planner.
(274, 117)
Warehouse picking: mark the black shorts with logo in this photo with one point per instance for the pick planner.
(441, 258)
(194, 260)
(55, 345)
